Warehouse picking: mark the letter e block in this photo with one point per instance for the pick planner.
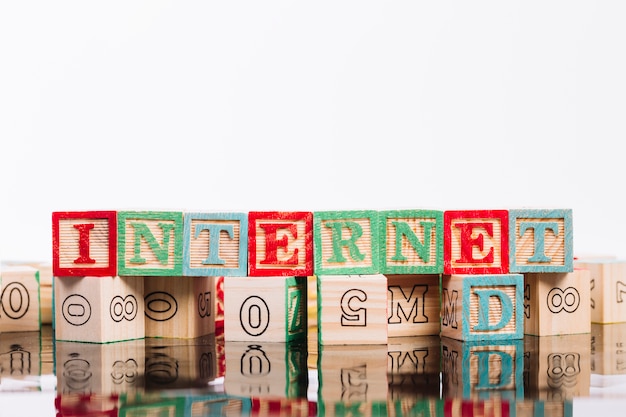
(608, 289)
(19, 299)
(413, 305)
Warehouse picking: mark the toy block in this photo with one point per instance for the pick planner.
(219, 305)
(155, 406)
(540, 408)
(84, 243)
(100, 368)
(98, 309)
(413, 305)
(179, 307)
(215, 244)
(351, 309)
(150, 243)
(283, 407)
(482, 369)
(461, 407)
(266, 370)
(475, 242)
(557, 303)
(19, 299)
(411, 241)
(86, 405)
(346, 242)
(413, 365)
(280, 243)
(558, 368)
(608, 349)
(608, 289)
(482, 307)
(541, 241)
(214, 405)
(21, 361)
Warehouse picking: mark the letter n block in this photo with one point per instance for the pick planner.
(265, 309)
(482, 307)
(608, 289)
(280, 243)
(19, 299)
(413, 305)
(476, 242)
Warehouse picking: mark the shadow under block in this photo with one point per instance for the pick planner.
(265, 309)
(215, 244)
(413, 305)
(411, 241)
(99, 309)
(280, 243)
(482, 307)
(557, 303)
(608, 349)
(352, 309)
(541, 241)
(608, 290)
(413, 365)
(476, 242)
(19, 299)
(346, 242)
(179, 307)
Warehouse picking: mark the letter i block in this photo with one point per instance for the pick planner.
(19, 299)
(352, 309)
(476, 242)
(346, 242)
(541, 241)
(413, 305)
(84, 243)
(411, 242)
(150, 243)
(608, 289)
(265, 309)
(99, 309)
(482, 307)
(280, 243)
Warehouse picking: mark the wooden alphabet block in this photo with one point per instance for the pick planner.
(482, 307)
(414, 305)
(150, 243)
(265, 309)
(346, 242)
(541, 241)
(179, 307)
(21, 361)
(99, 309)
(211, 404)
(413, 365)
(280, 243)
(411, 241)
(557, 303)
(476, 242)
(19, 299)
(84, 243)
(351, 309)
(215, 244)
(608, 349)
(608, 289)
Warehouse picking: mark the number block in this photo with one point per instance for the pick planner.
(608, 289)
(411, 241)
(265, 309)
(541, 241)
(280, 243)
(482, 307)
(150, 243)
(557, 303)
(19, 299)
(346, 242)
(99, 309)
(179, 307)
(215, 244)
(413, 365)
(84, 243)
(608, 356)
(352, 309)
(476, 242)
(413, 305)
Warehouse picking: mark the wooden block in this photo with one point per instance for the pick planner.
(557, 303)
(212, 404)
(150, 243)
(476, 242)
(346, 242)
(476, 369)
(608, 289)
(283, 407)
(170, 406)
(352, 309)
(541, 241)
(215, 244)
(413, 305)
(280, 243)
(86, 405)
(608, 349)
(413, 365)
(482, 307)
(84, 243)
(99, 309)
(179, 307)
(540, 408)
(411, 241)
(19, 299)
(21, 361)
(265, 309)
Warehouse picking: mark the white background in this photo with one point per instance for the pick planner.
(283, 105)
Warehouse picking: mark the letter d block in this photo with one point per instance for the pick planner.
(19, 299)
(265, 309)
(482, 307)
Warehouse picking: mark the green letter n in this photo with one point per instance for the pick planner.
(403, 229)
(160, 251)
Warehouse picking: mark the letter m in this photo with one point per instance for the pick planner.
(449, 303)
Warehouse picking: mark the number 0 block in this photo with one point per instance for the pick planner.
(19, 299)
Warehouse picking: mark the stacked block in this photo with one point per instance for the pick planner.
(608, 289)
(19, 299)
